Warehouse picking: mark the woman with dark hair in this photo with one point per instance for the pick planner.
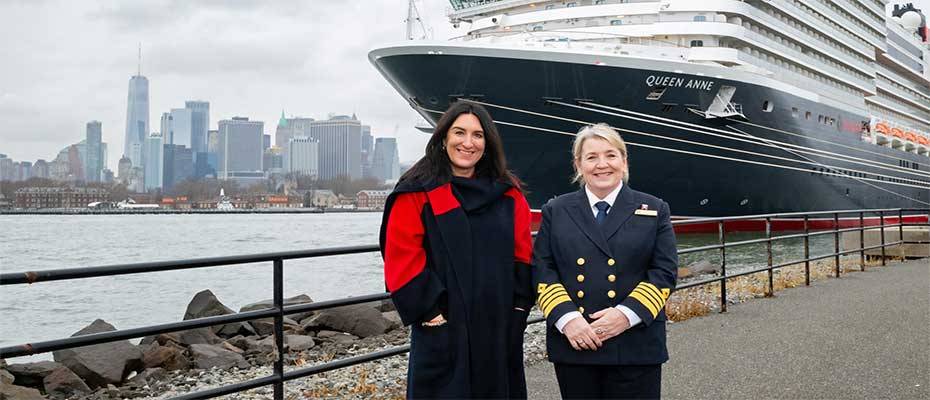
(455, 237)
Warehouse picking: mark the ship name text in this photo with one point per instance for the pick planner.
(674, 81)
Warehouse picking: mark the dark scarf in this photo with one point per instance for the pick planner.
(477, 193)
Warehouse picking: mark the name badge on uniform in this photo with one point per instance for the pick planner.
(644, 210)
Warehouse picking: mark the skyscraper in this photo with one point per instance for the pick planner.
(177, 127)
(6, 168)
(368, 148)
(289, 127)
(386, 163)
(26, 170)
(178, 165)
(93, 162)
(39, 169)
(154, 162)
(137, 117)
(301, 156)
(240, 146)
(340, 146)
(124, 169)
(200, 125)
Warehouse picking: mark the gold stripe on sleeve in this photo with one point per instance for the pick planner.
(550, 293)
(554, 303)
(647, 303)
(651, 289)
(543, 303)
(648, 297)
(656, 299)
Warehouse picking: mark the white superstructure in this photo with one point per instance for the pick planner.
(847, 52)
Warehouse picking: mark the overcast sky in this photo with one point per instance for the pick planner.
(68, 62)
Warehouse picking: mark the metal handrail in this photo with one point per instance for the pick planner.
(279, 310)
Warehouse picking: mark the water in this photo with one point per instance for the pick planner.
(54, 310)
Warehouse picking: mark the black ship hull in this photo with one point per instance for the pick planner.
(539, 101)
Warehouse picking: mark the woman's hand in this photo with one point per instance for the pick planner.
(609, 322)
(437, 321)
(580, 335)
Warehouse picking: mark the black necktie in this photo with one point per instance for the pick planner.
(601, 216)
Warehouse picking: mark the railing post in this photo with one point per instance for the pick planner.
(836, 243)
(279, 328)
(901, 231)
(721, 234)
(768, 249)
(861, 242)
(881, 216)
(807, 253)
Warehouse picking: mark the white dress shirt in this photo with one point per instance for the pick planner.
(630, 315)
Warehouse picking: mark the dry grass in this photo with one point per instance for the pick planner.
(704, 299)
(360, 389)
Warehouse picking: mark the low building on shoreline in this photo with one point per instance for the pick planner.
(371, 199)
(59, 197)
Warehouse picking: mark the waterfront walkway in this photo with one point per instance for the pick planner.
(863, 336)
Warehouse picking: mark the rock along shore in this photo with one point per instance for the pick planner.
(169, 365)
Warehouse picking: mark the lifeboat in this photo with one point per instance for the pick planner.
(897, 133)
(882, 127)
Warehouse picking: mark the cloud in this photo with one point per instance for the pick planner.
(70, 62)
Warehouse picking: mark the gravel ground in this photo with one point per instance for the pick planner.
(379, 379)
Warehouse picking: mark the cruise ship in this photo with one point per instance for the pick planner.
(728, 107)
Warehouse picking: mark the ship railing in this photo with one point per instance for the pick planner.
(559, 36)
(888, 219)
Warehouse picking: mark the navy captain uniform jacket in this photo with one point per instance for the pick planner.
(630, 259)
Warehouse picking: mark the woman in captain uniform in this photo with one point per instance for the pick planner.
(604, 264)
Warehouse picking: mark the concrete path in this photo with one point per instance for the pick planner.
(864, 336)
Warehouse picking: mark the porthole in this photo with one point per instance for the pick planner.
(704, 202)
(744, 202)
(433, 100)
(767, 106)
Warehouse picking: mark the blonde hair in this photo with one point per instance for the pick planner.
(601, 131)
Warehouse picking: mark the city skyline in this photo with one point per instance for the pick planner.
(72, 66)
(241, 68)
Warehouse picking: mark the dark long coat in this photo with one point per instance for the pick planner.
(461, 249)
(630, 259)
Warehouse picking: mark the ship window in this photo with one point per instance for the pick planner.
(807, 115)
(767, 106)
(820, 119)
(700, 18)
(656, 93)
(550, 6)
(600, 2)
(794, 112)
(616, 22)
(697, 43)
(572, 4)
(537, 28)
